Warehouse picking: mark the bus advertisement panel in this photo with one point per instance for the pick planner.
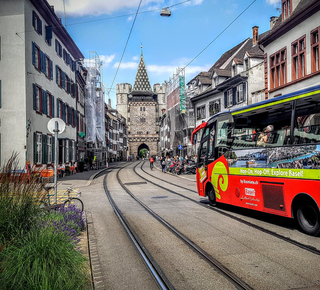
(265, 157)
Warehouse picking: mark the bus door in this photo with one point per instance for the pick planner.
(205, 157)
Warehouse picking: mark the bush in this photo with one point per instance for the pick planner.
(66, 220)
(20, 200)
(37, 247)
(42, 259)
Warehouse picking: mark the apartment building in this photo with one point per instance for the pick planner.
(291, 50)
(40, 78)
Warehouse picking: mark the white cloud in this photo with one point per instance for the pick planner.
(106, 59)
(273, 2)
(96, 7)
(135, 58)
(102, 7)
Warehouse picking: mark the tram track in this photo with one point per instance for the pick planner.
(154, 268)
(272, 233)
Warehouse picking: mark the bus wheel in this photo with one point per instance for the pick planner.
(212, 196)
(308, 219)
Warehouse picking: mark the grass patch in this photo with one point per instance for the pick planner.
(37, 247)
(43, 259)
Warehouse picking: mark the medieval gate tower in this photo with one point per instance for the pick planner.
(141, 107)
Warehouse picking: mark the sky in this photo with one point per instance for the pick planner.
(196, 34)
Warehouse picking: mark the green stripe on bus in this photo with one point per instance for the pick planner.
(275, 172)
(277, 102)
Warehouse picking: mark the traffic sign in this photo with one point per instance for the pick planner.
(180, 147)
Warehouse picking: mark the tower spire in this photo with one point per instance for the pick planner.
(142, 83)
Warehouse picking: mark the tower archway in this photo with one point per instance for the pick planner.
(142, 146)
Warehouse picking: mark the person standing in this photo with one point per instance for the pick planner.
(163, 164)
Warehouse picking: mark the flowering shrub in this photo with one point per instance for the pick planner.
(37, 247)
(66, 220)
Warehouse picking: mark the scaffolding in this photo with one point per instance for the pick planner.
(95, 106)
(180, 114)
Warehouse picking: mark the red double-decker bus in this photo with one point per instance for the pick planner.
(265, 157)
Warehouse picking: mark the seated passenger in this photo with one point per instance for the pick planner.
(263, 137)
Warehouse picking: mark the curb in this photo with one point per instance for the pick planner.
(96, 272)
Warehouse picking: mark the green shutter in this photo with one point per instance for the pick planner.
(33, 54)
(44, 149)
(35, 157)
(52, 106)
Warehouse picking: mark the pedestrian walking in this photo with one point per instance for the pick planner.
(163, 164)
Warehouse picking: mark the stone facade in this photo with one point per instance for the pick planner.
(141, 107)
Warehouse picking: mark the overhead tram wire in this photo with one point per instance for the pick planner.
(125, 47)
(107, 18)
(220, 33)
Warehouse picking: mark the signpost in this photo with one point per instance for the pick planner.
(56, 126)
(180, 147)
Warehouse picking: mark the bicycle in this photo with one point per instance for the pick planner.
(70, 201)
(73, 201)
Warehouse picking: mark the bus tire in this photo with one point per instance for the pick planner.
(308, 218)
(212, 196)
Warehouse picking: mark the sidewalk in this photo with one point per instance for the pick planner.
(88, 246)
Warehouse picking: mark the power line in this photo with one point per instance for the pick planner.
(107, 18)
(125, 46)
(220, 33)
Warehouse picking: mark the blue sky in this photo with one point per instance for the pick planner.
(103, 26)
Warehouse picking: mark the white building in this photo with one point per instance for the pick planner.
(38, 65)
(292, 49)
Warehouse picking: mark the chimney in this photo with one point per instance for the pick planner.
(52, 8)
(255, 33)
(109, 102)
(273, 20)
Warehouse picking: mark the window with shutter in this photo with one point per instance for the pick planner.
(48, 34)
(37, 98)
(36, 22)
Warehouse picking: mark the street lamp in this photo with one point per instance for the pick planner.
(165, 12)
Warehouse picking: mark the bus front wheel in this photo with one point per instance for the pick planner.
(212, 196)
(308, 219)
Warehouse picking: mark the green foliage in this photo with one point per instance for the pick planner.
(20, 200)
(143, 152)
(42, 259)
(37, 248)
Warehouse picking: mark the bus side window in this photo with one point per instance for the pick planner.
(307, 129)
(203, 151)
(211, 143)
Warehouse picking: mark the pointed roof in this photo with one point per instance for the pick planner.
(142, 83)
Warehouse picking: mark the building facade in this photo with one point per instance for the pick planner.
(141, 107)
(291, 50)
(41, 78)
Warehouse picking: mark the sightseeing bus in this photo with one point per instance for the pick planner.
(265, 157)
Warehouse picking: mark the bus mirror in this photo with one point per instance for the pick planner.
(194, 139)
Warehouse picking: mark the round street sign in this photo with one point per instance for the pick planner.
(52, 125)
